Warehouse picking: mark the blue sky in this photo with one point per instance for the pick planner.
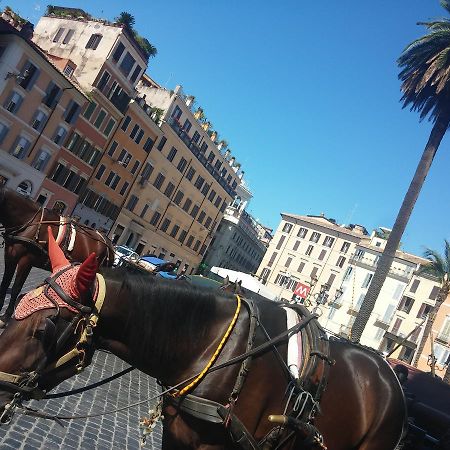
(307, 95)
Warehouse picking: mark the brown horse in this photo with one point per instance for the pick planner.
(26, 242)
(171, 332)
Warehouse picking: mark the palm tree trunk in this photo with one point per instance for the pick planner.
(384, 264)
(427, 330)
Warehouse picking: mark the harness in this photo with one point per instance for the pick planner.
(26, 385)
(303, 395)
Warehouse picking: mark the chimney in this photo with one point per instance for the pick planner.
(190, 100)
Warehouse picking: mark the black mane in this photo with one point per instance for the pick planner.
(156, 303)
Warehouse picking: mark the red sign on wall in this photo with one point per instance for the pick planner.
(302, 290)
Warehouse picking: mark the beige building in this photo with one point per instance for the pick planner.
(187, 183)
(336, 264)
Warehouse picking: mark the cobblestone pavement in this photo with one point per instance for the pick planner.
(118, 431)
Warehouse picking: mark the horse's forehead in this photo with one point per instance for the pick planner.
(37, 299)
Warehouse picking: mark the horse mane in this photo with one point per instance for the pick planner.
(154, 304)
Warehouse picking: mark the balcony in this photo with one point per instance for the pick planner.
(443, 339)
(367, 263)
(192, 146)
(353, 310)
(383, 322)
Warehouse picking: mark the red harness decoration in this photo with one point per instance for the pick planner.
(37, 299)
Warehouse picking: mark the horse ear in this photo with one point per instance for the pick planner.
(56, 255)
(86, 275)
(226, 281)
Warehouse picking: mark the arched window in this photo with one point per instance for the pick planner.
(25, 188)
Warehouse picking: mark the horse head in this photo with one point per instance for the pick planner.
(48, 339)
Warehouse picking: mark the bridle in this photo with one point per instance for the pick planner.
(25, 386)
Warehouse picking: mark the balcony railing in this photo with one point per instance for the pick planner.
(353, 310)
(402, 275)
(383, 322)
(193, 147)
(345, 330)
(443, 339)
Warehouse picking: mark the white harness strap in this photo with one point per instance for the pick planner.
(73, 235)
(294, 356)
(61, 229)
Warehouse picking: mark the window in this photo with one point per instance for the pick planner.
(161, 143)
(218, 201)
(367, 280)
(29, 75)
(359, 254)
(89, 110)
(100, 118)
(39, 120)
(93, 41)
(159, 181)
(205, 189)
(423, 311)
(68, 36)
(340, 262)
(172, 153)
(118, 52)
(135, 167)
(112, 180)
(315, 237)
(187, 204)
(176, 113)
(190, 173)
(58, 34)
(155, 218)
(178, 197)
(406, 304)
(3, 132)
(196, 245)
(322, 254)
(199, 182)
(127, 64)
(20, 147)
(174, 231)
(280, 242)
(100, 172)
(347, 273)
(139, 136)
(68, 71)
(201, 217)
(287, 227)
(132, 203)
(112, 148)
(182, 236)
(109, 127)
(144, 210)
(203, 149)
(194, 211)
(272, 259)
(182, 165)
(72, 110)
(296, 244)
(190, 241)
(309, 250)
(148, 145)
(124, 188)
(165, 225)
(434, 292)
(13, 102)
(124, 158)
(314, 272)
(328, 241)
(414, 286)
(301, 266)
(146, 171)
(169, 189)
(125, 123)
(136, 73)
(103, 81)
(52, 95)
(288, 262)
(345, 247)
(134, 131)
(187, 126)
(41, 160)
(196, 137)
(211, 195)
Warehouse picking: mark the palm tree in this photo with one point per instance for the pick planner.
(425, 77)
(439, 268)
(127, 19)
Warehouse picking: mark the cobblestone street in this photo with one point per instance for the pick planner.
(118, 431)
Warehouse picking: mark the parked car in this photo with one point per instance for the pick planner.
(124, 253)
